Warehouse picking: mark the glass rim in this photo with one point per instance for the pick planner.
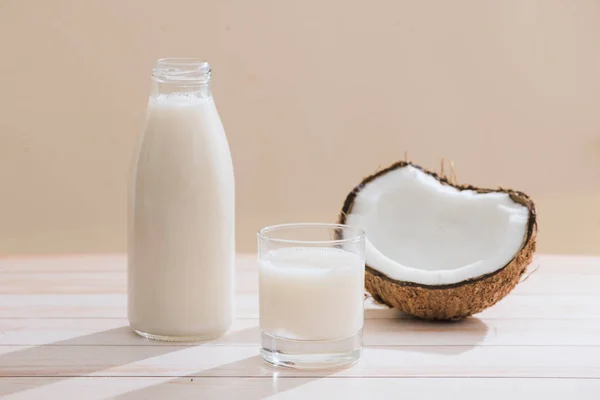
(196, 62)
(359, 234)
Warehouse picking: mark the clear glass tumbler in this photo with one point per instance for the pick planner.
(311, 294)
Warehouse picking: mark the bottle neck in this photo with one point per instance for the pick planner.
(166, 88)
(188, 76)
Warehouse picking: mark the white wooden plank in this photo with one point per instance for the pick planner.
(89, 306)
(407, 332)
(298, 388)
(243, 361)
(101, 332)
(85, 281)
(53, 306)
(544, 306)
(114, 282)
(114, 306)
(71, 313)
(464, 389)
(484, 332)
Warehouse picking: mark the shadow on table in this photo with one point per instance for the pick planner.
(265, 381)
(213, 383)
(89, 354)
(441, 337)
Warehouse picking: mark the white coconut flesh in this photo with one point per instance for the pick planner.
(422, 231)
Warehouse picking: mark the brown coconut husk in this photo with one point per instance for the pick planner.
(454, 301)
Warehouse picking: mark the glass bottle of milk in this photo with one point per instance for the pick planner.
(181, 211)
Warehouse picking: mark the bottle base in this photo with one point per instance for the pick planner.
(168, 338)
(311, 354)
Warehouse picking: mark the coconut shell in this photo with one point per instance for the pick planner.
(455, 301)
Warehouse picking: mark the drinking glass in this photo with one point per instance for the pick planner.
(311, 294)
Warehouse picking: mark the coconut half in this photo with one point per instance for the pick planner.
(438, 250)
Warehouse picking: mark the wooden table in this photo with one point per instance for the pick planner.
(64, 335)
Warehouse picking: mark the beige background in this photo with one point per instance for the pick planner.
(314, 95)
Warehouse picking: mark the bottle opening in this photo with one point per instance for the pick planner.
(190, 70)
